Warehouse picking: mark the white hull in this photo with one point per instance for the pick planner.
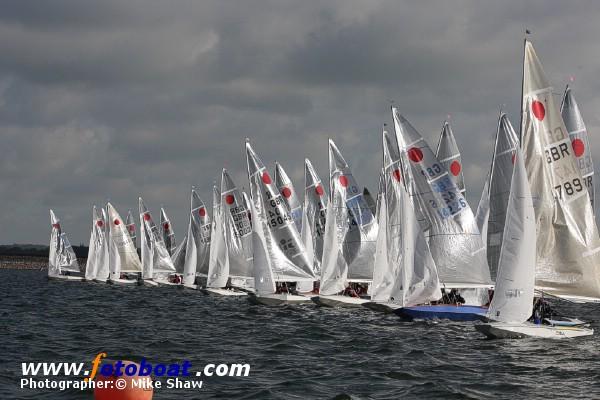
(163, 282)
(224, 292)
(122, 281)
(497, 330)
(66, 278)
(339, 301)
(190, 287)
(278, 299)
(381, 307)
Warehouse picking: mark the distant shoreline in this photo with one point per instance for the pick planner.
(28, 262)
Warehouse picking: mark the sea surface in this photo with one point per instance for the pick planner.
(295, 352)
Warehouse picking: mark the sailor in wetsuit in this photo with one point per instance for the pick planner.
(541, 310)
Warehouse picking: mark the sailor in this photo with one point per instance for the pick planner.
(455, 298)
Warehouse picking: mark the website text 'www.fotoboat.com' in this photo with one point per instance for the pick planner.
(122, 375)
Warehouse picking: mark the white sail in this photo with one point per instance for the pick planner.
(580, 141)
(513, 295)
(155, 257)
(61, 255)
(238, 231)
(166, 231)
(449, 156)
(500, 179)
(102, 264)
(568, 247)
(97, 260)
(264, 281)
(218, 263)
(201, 227)
(483, 211)
(130, 224)
(315, 210)
(454, 240)
(289, 195)
(179, 254)
(123, 256)
(190, 258)
(351, 225)
(280, 240)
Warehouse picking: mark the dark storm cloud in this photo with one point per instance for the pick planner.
(118, 99)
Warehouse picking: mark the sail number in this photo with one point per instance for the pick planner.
(569, 188)
(556, 152)
(241, 222)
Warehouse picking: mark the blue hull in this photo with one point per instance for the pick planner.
(444, 311)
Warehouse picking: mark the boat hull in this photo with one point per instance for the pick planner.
(498, 330)
(122, 281)
(66, 278)
(277, 299)
(339, 301)
(223, 292)
(386, 308)
(443, 311)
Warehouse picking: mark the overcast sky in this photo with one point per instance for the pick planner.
(117, 99)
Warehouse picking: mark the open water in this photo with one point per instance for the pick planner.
(295, 352)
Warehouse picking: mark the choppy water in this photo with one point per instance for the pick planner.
(295, 352)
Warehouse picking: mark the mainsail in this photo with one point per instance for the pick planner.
(97, 260)
(513, 295)
(61, 255)
(289, 195)
(350, 230)
(166, 231)
(130, 224)
(278, 250)
(218, 262)
(123, 256)
(190, 258)
(155, 257)
(568, 247)
(449, 156)
(454, 239)
(313, 217)
(238, 230)
(499, 188)
(201, 227)
(580, 141)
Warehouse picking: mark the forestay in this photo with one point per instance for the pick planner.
(289, 195)
(568, 247)
(166, 231)
(454, 239)
(155, 257)
(350, 230)
(449, 156)
(500, 179)
(513, 295)
(276, 240)
(123, 255)
(580, 141)
(61, 255)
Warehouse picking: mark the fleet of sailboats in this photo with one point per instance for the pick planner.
(417, 250)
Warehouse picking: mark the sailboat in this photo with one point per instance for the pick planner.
(313, 221)
(500, 176)
(194, 264)
(231, 268)
(449, 156)
(96, 268)
(568, 246)
(61, 259)
(404, 274)
(279, 255)
(512, 304)
(454, 239)
(350, 237)
(166, 231)
(289, 195)
(580, 141)
(122, 254)
(130, 225)
(156, 261)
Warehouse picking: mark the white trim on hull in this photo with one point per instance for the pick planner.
(339, 301)
(162, 282)
(277, 299)
(66, 278)
(122, 281)
(224, 292)
(498, 330)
